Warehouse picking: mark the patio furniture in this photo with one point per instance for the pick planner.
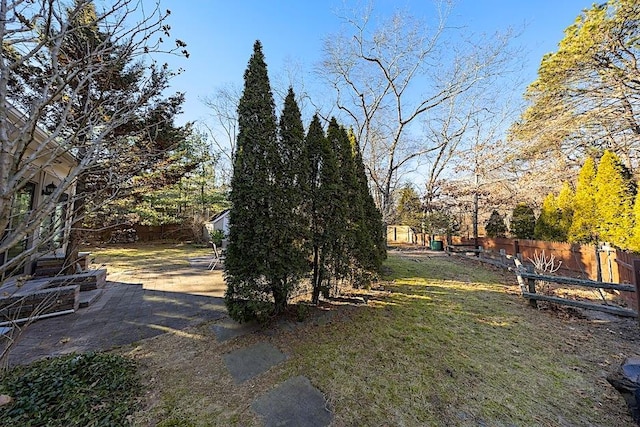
(218, 256)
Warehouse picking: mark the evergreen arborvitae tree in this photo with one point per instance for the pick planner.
(584, 225)
(548, 223)
(614, 195)
(289, 262)
(371, 247)
(322, 202)
(523, 221)
(342, 227)
(564, 202)
(495, 226)
(556, 216)
(253, 269)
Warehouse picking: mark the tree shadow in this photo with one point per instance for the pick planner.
(125, 313)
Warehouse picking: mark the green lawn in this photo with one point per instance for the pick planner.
(445, 342)
(450, 346)
(441, 341)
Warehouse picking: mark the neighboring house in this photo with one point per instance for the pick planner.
(47, 178)
(218, 223)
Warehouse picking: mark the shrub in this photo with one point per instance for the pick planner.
(523, 222)
(495, 227)
(80, 390)
(216, 237)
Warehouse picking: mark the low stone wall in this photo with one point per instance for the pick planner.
(21, 305)
(88, 281)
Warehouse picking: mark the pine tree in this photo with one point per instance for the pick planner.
(253, 225)
(145, 153)
(409, 210)
(584, 225)
(548, 223)
(495, 226)
(523, 221)
(614, 195)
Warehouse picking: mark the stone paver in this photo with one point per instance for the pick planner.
(123, 315)
(229, 329)
(295, 402)
(246, 363)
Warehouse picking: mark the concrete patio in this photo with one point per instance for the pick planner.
(134, 305)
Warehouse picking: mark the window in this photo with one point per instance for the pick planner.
(52, 228)
(22, 205)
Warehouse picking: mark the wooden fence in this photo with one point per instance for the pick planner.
(142, 233)
(527, 281)
(578, 261)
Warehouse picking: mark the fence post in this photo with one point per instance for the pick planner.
(636, 283)
(516, 248)
(531, 284)
(503, 257)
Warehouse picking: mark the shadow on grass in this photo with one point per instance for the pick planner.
(445, 344)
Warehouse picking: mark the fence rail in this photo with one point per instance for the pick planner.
(527, 281)
(577, 260)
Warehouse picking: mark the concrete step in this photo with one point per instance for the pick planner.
(89, 297)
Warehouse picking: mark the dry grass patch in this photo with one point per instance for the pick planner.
(151, 257)
(443, 342)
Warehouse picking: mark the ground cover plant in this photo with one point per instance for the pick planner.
(442, 341)
(94, 389)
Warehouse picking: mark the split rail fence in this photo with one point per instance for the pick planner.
(622, 268)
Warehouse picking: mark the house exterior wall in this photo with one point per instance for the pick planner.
(221, 223)
(50, 167)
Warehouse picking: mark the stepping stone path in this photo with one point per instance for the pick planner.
(249, 362)
(295, 402)
(229, 329)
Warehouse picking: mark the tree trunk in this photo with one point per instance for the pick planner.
(316, 275)
(280, 298)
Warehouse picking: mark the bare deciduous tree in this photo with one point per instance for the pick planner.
(223, 130)
(388, 77)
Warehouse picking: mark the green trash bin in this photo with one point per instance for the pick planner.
(436, 245)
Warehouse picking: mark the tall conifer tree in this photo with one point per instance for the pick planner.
(322, 202)
(291, 181)
(340, 228)
(614, 195)
(495, 226)
(523, 221)
(250, 261)
(634, 243)
(548, 223)
(584, 226)
(565, 205)
(371, 249)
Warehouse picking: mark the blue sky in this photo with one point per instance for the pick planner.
(220, 34)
